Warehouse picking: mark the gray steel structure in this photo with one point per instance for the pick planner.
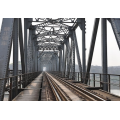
(51, 43)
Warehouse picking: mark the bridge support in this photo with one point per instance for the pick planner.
(15, 57)
(83, 49)
(5, 49)
(25, 43)
(21, 46)
(63, 57)
(73, 57)
(64, 67)
(68, 50)
(104, 53)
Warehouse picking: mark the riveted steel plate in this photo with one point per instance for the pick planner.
(5, 47)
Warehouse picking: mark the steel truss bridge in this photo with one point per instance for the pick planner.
(51, 43)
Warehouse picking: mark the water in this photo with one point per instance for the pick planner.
(114, 80)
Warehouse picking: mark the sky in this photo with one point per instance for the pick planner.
(113, 51)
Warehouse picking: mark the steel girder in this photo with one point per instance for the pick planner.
(83, 49)
(21, 46)
(25, 43)
(73, 57)
(5, 49)
(29, 53)
(104, 52)
(15, 56)
(64, 67)
(63, 55)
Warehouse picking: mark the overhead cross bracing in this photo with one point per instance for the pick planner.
(51, 35)
(51, 32)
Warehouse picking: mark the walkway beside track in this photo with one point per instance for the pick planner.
(31, 92)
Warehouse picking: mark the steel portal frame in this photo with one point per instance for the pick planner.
(51, 43)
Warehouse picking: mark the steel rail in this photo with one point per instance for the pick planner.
(87, 94)
(54, 90)
(59, 92)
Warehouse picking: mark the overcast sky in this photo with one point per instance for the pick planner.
(113, 51)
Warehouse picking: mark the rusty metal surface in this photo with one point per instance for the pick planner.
(32, 91)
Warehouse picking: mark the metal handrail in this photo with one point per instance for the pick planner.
(13, 83)
(79, 77)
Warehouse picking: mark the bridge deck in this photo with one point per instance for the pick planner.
(31, 92)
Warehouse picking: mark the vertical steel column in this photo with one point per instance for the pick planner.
(61, 59)
(33, 51)
(104, 52)
(58, 63)
(37, 60)
(15, 57)
(68, 52)
(5, 50)
(35, 57)
(73, 57)
(29, 55)
(55, 62)
(25, 43)
(21, 46)
(39, 64)
(65, 59)
(52, 64)
(83, 48)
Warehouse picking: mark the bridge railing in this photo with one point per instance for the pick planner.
(94, 79)
(10, 72)
(13, 83)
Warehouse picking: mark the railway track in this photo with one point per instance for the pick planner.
(82, 94)
(58, 93)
